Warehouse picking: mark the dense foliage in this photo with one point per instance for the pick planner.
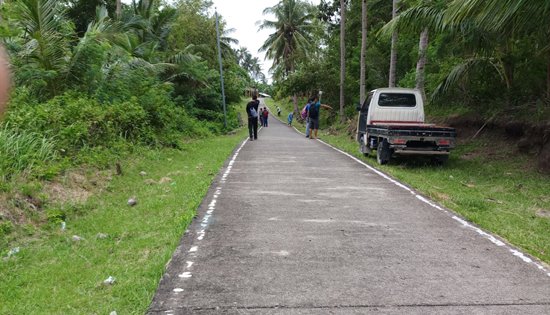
(87, 78)
(481, 56)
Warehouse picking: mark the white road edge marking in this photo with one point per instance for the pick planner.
(201, 233)
(466, 224)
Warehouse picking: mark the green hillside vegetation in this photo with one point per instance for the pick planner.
(109, 105)
(92, 87)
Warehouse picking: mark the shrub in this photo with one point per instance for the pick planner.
(56, 215)
(77, 121)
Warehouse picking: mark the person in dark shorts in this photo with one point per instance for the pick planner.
(252, 112)
(313, 115)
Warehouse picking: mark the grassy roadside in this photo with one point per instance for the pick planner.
(57, 274)
(484, 181)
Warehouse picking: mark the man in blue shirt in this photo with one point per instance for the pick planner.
(313, 115)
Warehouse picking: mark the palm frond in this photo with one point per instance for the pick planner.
(416, 19)
(45, 46)
(496, 15)
(461, 71)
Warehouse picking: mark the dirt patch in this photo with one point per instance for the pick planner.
(165, 180)
(543, 213)
(29, 206)
(442, 196)
(76, 186)
(62, 194)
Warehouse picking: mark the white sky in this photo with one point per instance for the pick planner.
(242, 15)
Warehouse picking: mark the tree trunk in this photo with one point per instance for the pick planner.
(295, 102)
(363, 76)
(290, 69)
(548, 81)
(342, 56)
(421, 64)
(118, 9)
(393, 54)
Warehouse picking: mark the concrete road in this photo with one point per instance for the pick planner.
(292, 226)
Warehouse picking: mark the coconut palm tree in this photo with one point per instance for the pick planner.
(421, 63)
(342, 57)
(45, 46)
(292, 37)
(514, 17)
(393, 53)
(118, 9)
(422, 18)
(362, 80)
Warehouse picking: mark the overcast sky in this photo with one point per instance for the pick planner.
(242, 15)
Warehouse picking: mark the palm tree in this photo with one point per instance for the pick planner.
(362, 80)
(45, 45)
(118, 9)
(393, 53)
(342, 57)
(511, 16)
(421, 63)
(292, 37)
(256, 71)
(424, 17)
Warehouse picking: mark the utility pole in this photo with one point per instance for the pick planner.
(221, 67)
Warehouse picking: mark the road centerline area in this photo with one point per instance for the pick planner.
(292, 227)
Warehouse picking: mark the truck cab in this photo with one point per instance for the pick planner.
(393, 106)
(391, 121)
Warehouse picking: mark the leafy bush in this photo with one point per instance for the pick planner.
(56, 215)
(77, 121)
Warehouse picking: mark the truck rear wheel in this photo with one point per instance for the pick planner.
(383, 152)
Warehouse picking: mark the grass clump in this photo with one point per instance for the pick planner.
(23, 151)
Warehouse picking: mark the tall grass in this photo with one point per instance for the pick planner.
(21, 151)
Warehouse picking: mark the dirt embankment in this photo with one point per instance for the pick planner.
(531, 139)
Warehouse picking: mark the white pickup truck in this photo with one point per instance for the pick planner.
(391, 121)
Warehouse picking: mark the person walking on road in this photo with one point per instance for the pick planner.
(252, 112)
(289, 118)
(265, 115)
(313, 115)
(306, 113)
(261, 115)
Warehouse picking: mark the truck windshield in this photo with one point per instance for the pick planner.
(397, 100)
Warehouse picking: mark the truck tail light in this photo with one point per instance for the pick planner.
(443, 142)
(399, 141)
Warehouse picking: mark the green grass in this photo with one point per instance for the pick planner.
(22, 151)
(500, 194)
(52, 274)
